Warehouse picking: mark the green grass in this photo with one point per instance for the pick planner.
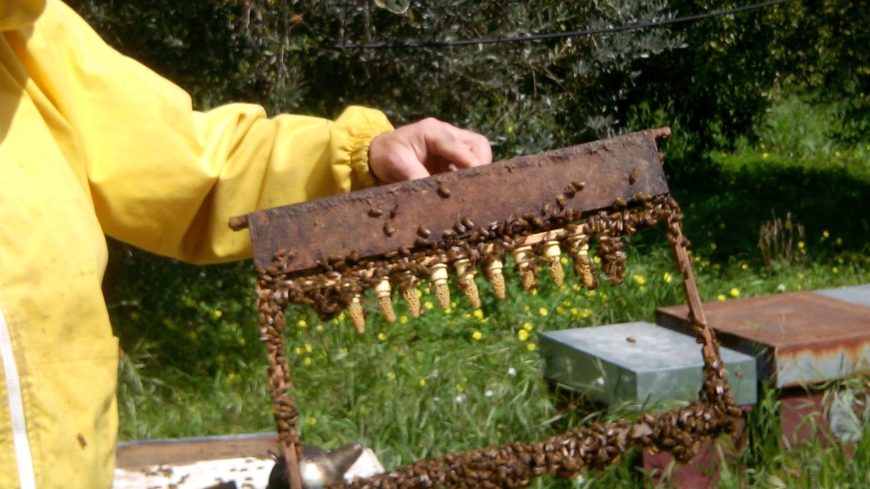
(464, 379)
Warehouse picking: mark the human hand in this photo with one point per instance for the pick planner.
(424, 148)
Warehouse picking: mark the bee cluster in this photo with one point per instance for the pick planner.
(466, 248)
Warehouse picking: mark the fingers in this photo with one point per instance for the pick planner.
(479, 145)
(425, 147)
(459, 148)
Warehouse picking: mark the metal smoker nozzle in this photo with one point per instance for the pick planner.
(318, 468)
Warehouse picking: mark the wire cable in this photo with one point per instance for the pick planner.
(543, 36)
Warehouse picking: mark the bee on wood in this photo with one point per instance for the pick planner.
(443, 191)
(389, 230)
(375, 212)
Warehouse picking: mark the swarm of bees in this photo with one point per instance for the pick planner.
(469, 249)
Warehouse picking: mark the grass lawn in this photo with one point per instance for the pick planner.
(465, 378)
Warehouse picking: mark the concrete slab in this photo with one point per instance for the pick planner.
(637, 362)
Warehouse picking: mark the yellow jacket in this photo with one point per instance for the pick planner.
(93, 143)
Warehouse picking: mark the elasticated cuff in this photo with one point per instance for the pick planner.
(355, 129)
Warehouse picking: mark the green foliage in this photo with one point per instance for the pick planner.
(196, 319)
(780, 92)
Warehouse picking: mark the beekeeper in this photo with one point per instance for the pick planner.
(92, 143)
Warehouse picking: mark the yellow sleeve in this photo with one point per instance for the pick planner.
(166, 178)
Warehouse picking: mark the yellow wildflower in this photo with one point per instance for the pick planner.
(720, 297)
(801, 244)
(543, 311)
(307, 361)
(735, 292)
(308, 347)
(216, 314)
(459, 388)
(382, 337)
(391, 375)
(302, 323)
(403, 319)
(311, 421)
(826, 234)
(523, 335)
(422, 382)
(477, 336)
(528, 326)
(478, 314)
(428, 305)
(639, 279)
(531, 347)
(667, 277)
(835, 269)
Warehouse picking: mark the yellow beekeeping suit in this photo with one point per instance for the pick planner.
(93, 143)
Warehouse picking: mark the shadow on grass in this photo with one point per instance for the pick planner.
(726, 204)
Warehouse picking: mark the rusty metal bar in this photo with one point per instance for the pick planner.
(384, 219)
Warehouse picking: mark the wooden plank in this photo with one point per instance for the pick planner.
(375, 221)
(179, 451)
